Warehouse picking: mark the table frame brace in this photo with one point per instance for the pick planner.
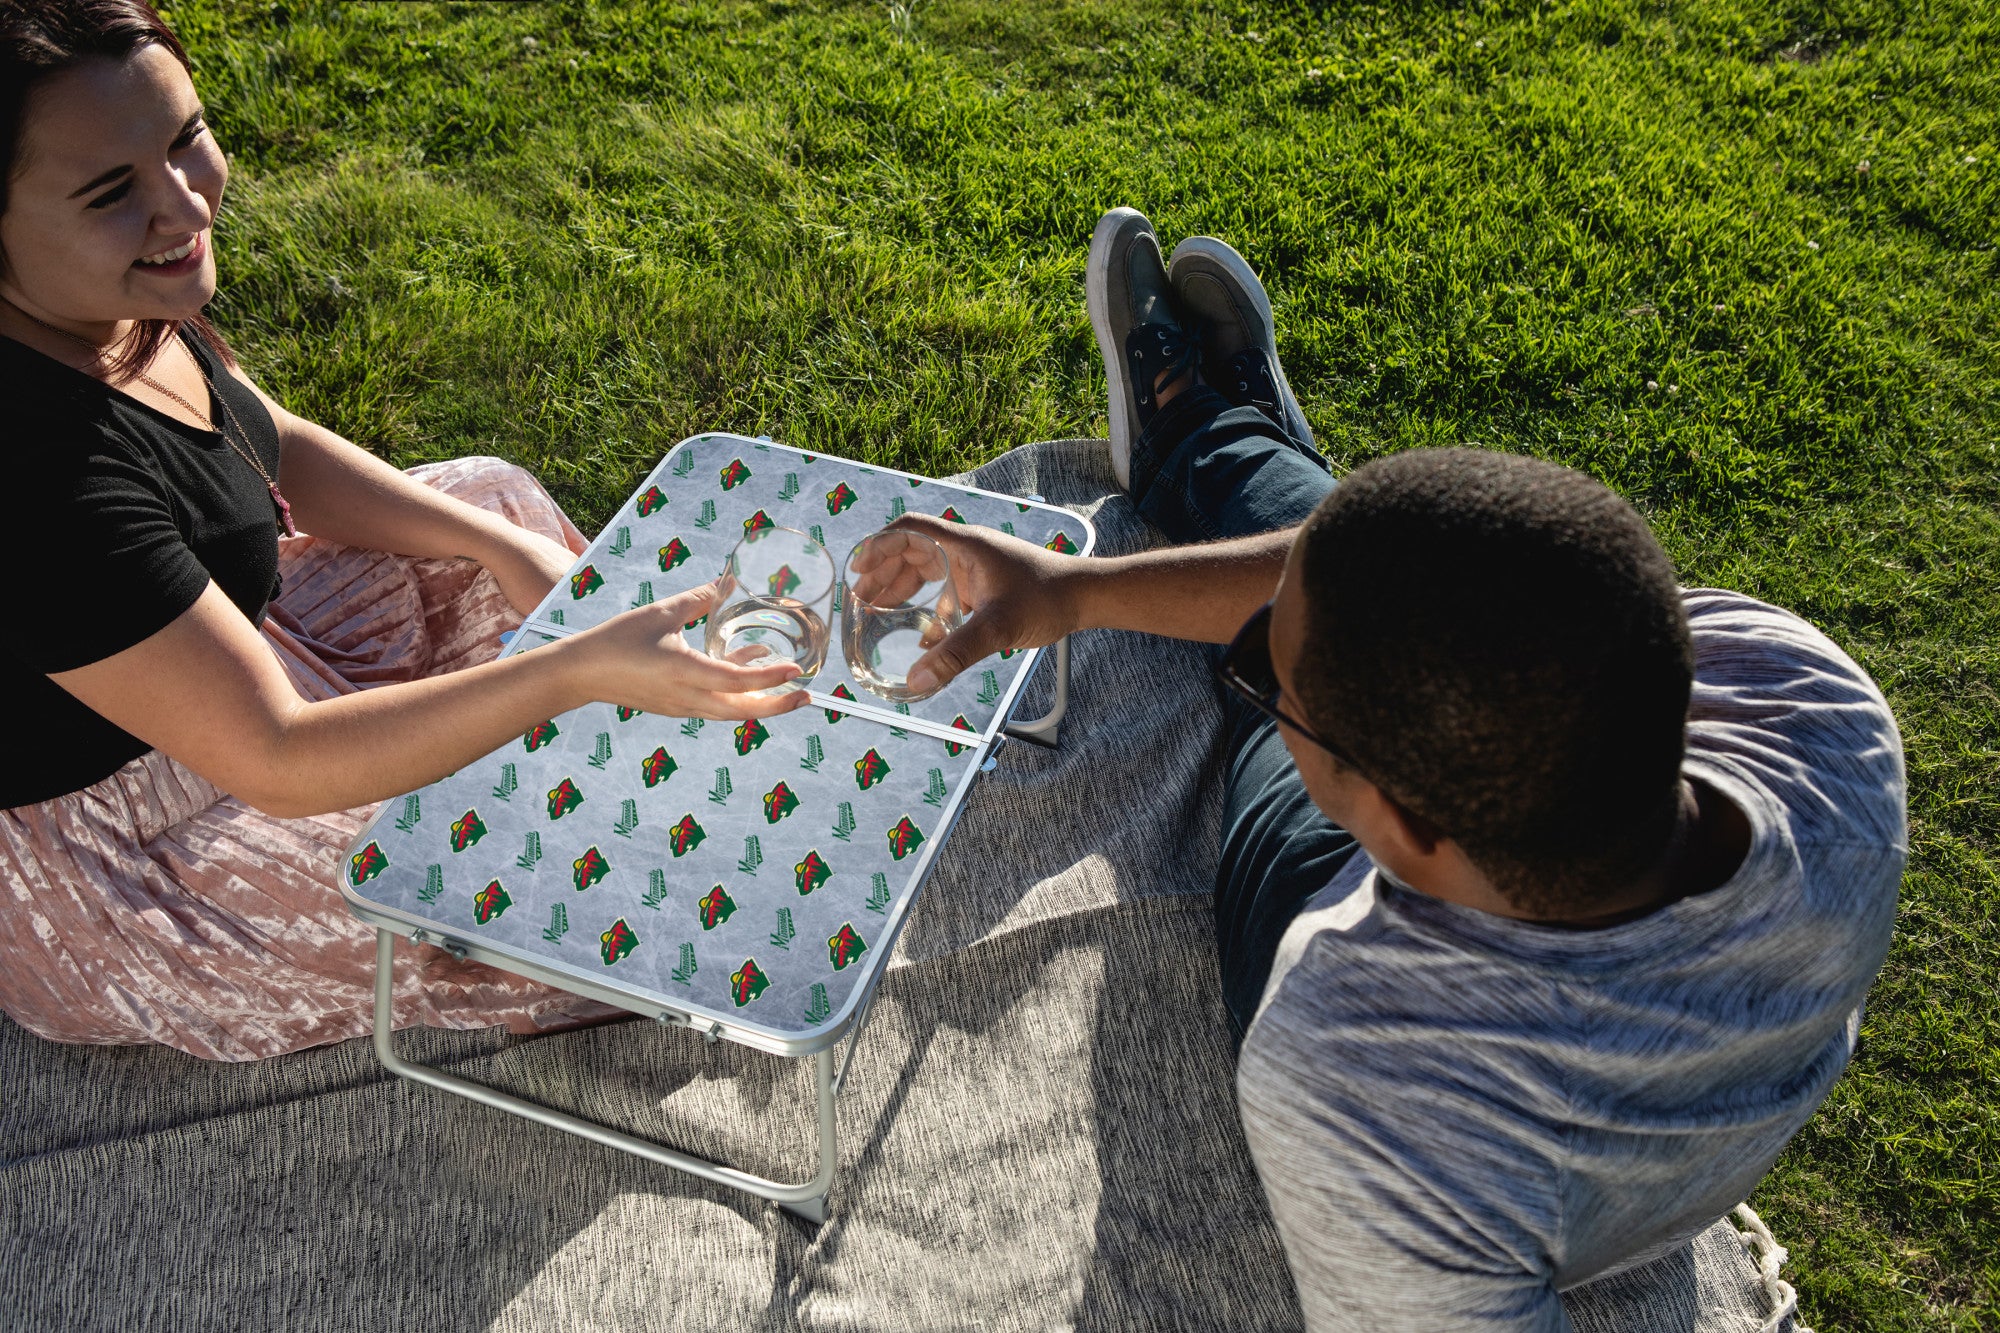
(808, 1199)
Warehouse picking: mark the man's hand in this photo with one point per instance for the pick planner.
(1016, 594)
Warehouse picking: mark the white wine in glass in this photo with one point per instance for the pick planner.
(899, 603)
(776, 595)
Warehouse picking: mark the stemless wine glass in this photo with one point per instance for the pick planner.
(900, 601)
(773, 602)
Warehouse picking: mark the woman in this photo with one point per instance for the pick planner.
(202, 709)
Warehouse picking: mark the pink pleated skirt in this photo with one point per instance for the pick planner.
(153, 907)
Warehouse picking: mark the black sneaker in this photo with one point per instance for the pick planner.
(1132, 312)
(1220, 294)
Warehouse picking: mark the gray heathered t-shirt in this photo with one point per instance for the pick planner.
(1458, 1116)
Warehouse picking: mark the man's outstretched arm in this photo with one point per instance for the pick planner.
(1021, 596)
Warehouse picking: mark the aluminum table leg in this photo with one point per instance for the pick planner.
(808, 1200)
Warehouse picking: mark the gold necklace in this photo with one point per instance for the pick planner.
(246, 454)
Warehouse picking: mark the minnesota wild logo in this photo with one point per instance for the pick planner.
(747, 982)
(673, 555)
(366, 864)
(734, 475)
(839, 498)
(750, 734)
(951, 515)
(490, 902)
(953, 747)
(1061, 544)
(650, 501)
(784, 581)
(811, 873)
(657, 767)
(845, 946)
(839, 692)
(870, 769)
(779, 802)
(714, 908)
(905, 838)
(589, 868)
(466, 830)
(617, 942)
(685, 836)
(585, 582)
(563, 798)
(539, 735)
(757, 522)
(627, 714)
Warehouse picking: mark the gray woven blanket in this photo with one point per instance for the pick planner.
(1040, 1131)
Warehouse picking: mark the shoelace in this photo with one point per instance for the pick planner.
(1174, 352)
(1252, 374)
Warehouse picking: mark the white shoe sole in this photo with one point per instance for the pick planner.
(1246, 282)
(1097, 299)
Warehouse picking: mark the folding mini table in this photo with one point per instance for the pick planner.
(746, 881)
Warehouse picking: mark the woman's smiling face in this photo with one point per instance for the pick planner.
(115, 189)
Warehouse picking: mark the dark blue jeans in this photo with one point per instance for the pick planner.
(1203, 471)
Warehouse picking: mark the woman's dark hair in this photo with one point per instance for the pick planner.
(1500, 644)
(42, 38)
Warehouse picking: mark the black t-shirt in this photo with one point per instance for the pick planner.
(118, 518)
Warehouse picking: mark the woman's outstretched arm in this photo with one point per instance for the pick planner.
(208, 691)
(345, 494)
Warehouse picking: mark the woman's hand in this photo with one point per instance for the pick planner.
(639, 660)
(526, 565)
(1017, 595)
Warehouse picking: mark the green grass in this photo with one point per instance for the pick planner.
(861, 228)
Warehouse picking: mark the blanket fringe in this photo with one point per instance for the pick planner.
(1769, 1256)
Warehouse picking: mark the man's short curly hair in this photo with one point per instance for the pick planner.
(1500, 644)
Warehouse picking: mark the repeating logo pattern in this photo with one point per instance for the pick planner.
(588, 869)
(812, 872)
(657, 767)
(715, 908)
(490, 902)
(366, 864)
(779, 802)
(617, 943)
(563, 798)
(685, 836)
(747, 983)
(844, 947)
(588, 825)
(466, 830)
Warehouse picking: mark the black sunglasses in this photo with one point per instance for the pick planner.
(1245, 668)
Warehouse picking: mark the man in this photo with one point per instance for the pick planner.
(1549, 893)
